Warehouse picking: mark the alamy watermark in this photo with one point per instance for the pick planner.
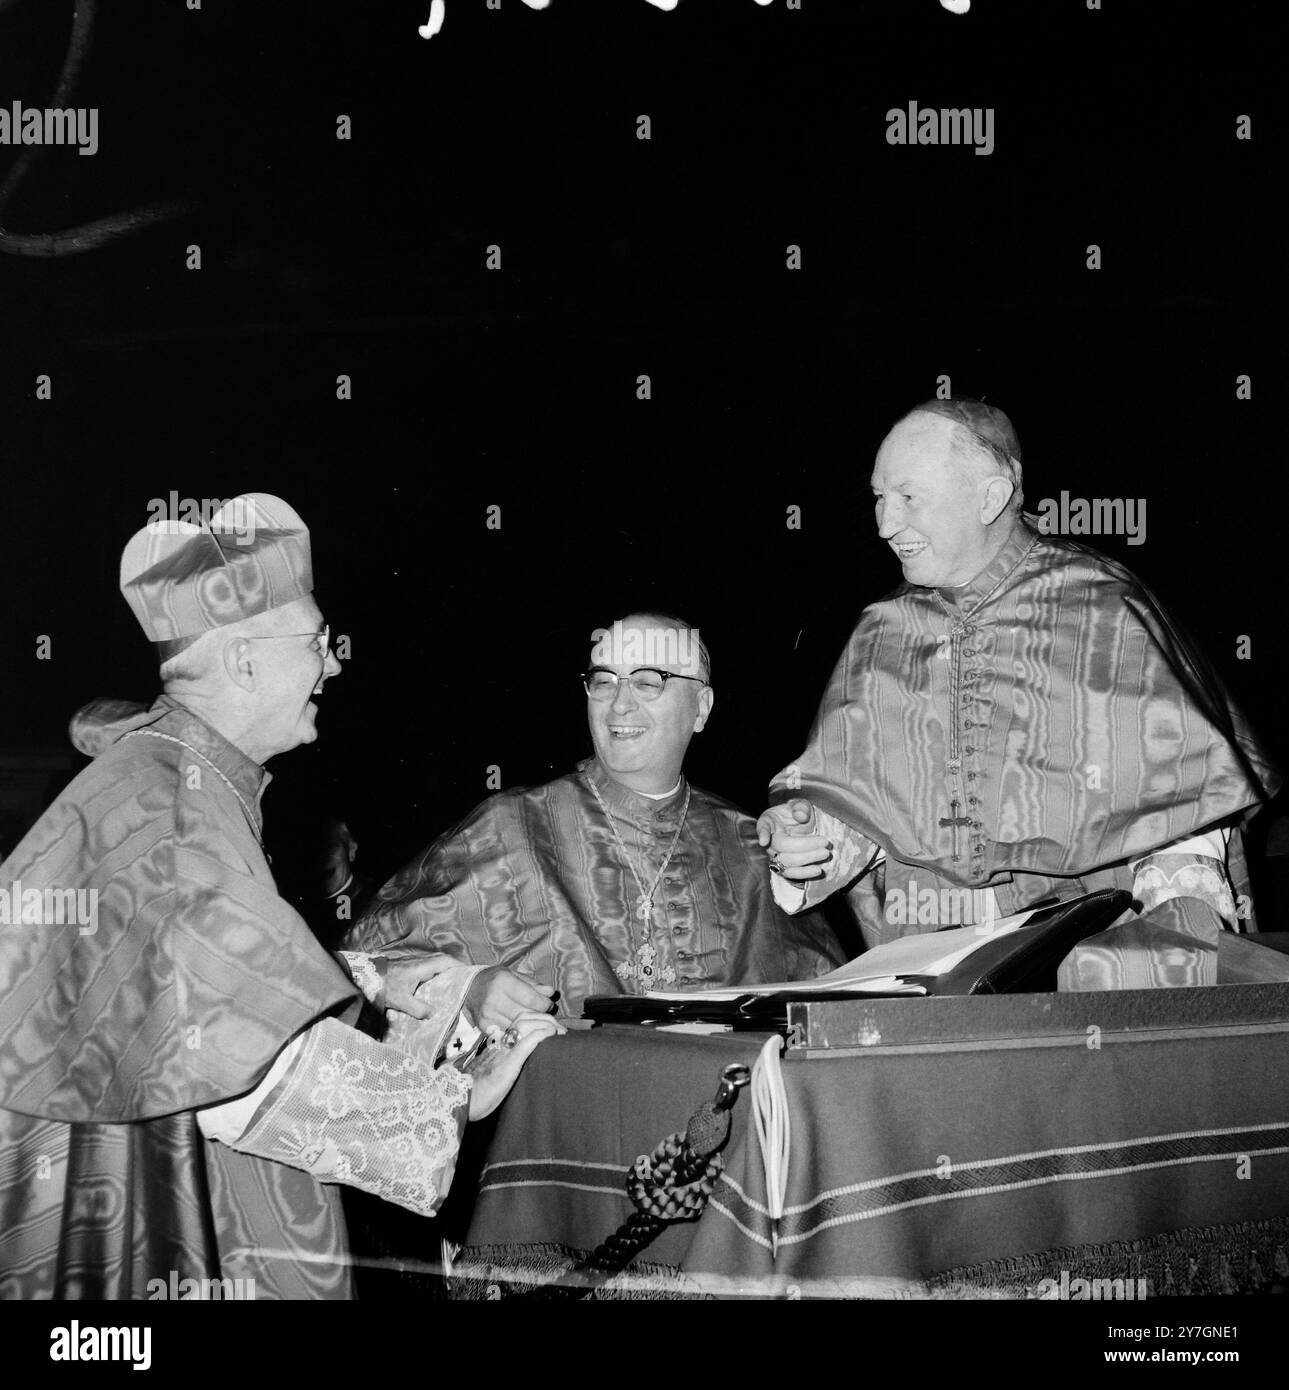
(50, 125)
(88, 1343)
(962, 907)
(1097, 516)
(1068, 1290)
(174, 514)
(950, 125)
(658, 647)
(201, 1290)
(49, 907)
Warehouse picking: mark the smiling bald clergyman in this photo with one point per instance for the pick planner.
(1020, 720)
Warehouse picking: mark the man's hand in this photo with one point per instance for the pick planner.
(791, 835)
(497, 996)
(404, 973)
(498, 1068)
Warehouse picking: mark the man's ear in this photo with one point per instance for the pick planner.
(998, 492)
(237, 663)
(706, 699)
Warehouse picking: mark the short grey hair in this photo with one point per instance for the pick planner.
(194, 663)
(981, 434)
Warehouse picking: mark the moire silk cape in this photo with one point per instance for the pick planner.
(194, 976)
(1089, 730)
(535, 880)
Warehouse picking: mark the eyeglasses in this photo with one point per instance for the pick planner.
(647, 683)
(322, 636)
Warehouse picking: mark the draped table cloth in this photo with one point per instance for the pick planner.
(976, 1168)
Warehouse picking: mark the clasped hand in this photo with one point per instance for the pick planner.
(495, 997)
(513, 1012)
(791, 833)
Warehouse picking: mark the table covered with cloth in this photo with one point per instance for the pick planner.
(977, 1169)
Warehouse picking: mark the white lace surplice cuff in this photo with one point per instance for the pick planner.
(849, 850)
(1212, 844)
(1192, 868)
(366, 976)
(350, 1110)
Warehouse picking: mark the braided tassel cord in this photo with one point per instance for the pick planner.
(671, 1184)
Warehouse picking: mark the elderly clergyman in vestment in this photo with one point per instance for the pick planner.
(1019, 721)
(180, 1084)
(619, 877)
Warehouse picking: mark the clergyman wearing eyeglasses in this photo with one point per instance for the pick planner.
(619, 877)
(182, 1088)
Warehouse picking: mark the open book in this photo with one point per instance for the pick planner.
(1013, 955)
(893, 968)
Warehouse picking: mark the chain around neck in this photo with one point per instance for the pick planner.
(170, 738)
(646, 896)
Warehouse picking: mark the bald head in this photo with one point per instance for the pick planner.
(983, 442)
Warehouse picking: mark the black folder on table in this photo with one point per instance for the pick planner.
(1023, 961)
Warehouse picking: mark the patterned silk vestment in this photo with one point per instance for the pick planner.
(192, 977)
(535, 880)
(1051, 709)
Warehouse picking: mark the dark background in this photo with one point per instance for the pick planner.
(517, 388)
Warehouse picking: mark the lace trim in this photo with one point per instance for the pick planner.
(359, 1112)
(1166, 875)
(365, 975)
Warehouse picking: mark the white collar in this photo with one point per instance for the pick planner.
(662, 796)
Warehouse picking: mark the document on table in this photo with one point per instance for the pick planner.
(886, 969)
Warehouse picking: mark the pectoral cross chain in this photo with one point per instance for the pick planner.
(954, 820)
